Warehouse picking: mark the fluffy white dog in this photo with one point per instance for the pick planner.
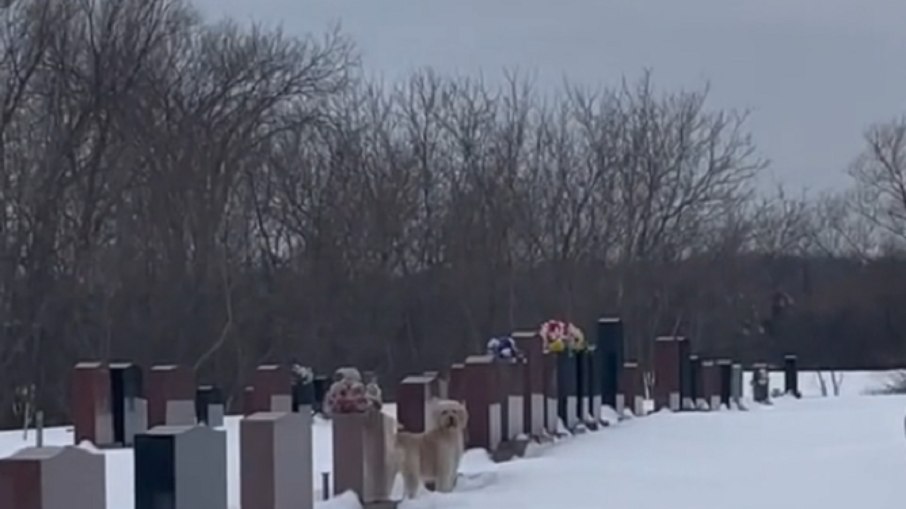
(434, 455)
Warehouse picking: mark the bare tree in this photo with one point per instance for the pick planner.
(222, 196)
(880, 176)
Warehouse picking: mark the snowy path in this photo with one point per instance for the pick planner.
(814, 453)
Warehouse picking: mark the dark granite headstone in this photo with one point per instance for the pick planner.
(272, 389)
(791, 376)
(483, 397)
(610, 349)
(725, 367)
(303, 395)
(457, 373)
(669, 354)
(171, 396)
(413, 403)
(209, 405)
(632, 392)
(181, 467)
(92, 410)
(567, 384)
(53, 478)
(320, 385)
(248, 400)
(127, 395)
(593, 373)
(692, 396)
(583, 407)
(736, 386)
(710, 384)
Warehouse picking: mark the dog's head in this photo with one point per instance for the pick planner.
(449, 414)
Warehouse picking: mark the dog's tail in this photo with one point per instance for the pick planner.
(406, 439)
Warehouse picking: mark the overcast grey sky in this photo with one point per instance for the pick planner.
(814, 73)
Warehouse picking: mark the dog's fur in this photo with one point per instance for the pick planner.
(435, 454)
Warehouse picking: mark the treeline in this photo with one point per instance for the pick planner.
(179, 191)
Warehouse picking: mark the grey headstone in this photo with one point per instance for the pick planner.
(181, 467)
(276, 460)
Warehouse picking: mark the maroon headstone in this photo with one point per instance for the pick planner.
(710, 384)
(273, 389)
(632, 393)
(529, 343)
(90, 401)
(413, 396)
(53, 478)
(483, 402)
(455, 390)
(171, 396)
(248, 400)
(669, 352)
(275, 457)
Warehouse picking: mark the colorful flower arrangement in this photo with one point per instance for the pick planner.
(502, 347)
(347, 393)
(559, 336)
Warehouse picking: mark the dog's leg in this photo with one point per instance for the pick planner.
(441, 483)
(449, 480)
(446, 474)
(411, 481)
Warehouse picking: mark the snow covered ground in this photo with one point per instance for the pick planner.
(815, 452)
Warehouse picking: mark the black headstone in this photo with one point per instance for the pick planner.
(127, 399)
(693, 379)
(791, 376)
(303, 394)
(320, 385)
(180, 467)
(581, 387)
(155, 473)
(593, 361)
(725, 366)
(689, 383)
(685, 370)
(209, 405)
(610, 350)
(567, 389)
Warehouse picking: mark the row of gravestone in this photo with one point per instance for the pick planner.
(684, 380)
(511, 401)
(539, 395)
(179, 446)
(180, 454)
(113, 402)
